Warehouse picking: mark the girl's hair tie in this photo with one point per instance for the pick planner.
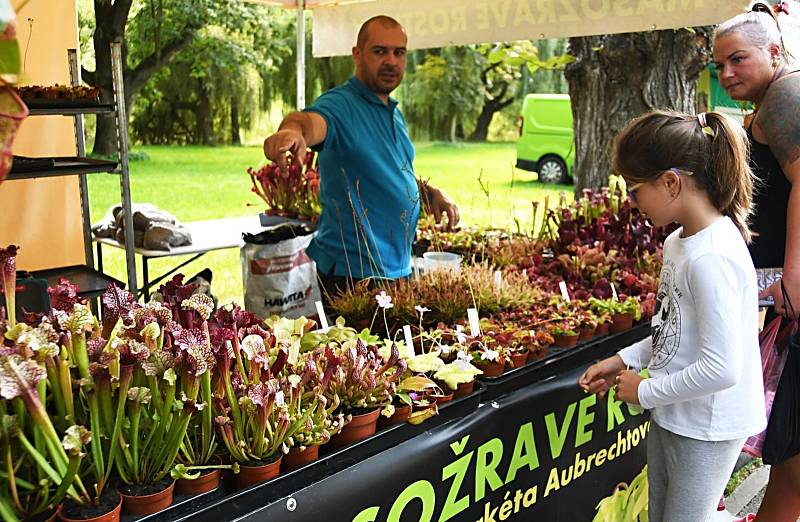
(781, 7)
(701, 118)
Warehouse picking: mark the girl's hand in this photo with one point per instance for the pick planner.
(627, 386)
(599, 377)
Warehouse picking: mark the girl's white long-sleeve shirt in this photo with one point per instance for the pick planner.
(703, 355)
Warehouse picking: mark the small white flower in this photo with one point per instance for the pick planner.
(461, 337)
(384, 300)
(422, 309)
(463, 356)
(490, 355)
(462, 364)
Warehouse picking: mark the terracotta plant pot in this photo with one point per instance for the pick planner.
(204, 483)
(249, 475)
(400, 415)
(109, 516)
(361, 324)
(491, 369)
(148, 504)
(297, 459)
(537, 354)
(464, 389)
(518, 360)
(442, 399)
(602, 329)
(565, 341)
(586, 334)
(621, 322)
(359, 428)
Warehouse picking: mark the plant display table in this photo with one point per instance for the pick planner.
(527, 444)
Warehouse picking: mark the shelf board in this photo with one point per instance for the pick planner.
(38, 107)
(61, 167)
(89, 281)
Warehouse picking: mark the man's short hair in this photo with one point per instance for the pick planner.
(387, 21)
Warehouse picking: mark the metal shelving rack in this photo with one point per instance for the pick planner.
(93, 282)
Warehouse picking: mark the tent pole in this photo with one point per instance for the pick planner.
(301, 55)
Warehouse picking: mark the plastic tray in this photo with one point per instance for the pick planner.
(228, 503)
(561, 359)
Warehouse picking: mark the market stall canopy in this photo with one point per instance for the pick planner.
(458, 22)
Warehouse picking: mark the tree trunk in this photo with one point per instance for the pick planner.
(481, 131)
(110, 21)
(490, 108)
(235, 137)
(617, 77)
(204, 124)
(453, 126)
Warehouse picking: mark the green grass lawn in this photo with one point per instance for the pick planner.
(196, 183)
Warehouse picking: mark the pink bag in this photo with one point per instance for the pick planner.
(772, 364)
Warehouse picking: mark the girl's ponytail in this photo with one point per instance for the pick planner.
(711, 148)
(728, 178)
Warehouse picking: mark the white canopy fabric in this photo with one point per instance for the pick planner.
(459, 22)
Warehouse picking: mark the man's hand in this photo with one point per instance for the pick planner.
(283, 141)
(439, 204)
(298, 131)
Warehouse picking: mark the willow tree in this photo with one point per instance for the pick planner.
(617, 77)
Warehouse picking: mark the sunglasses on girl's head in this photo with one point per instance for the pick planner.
(632, 191)
(636, 186)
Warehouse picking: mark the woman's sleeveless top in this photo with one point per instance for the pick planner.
(771, 200)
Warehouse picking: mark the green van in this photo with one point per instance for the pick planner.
(546, 143)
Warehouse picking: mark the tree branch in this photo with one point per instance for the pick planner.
(88, 77)
(486, 71)
(138, 76)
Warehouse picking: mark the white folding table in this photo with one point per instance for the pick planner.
(213, 234)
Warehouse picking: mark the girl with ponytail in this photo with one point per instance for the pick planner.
(704, 397)
(753, 65)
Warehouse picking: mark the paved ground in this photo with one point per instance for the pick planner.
(747, 497)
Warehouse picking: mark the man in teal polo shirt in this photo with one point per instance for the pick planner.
(370, 195)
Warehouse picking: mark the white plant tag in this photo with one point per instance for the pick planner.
(409, 341)
(323, 321)
(614, 292)
(564, 293)
(498, 280)
(474, 322)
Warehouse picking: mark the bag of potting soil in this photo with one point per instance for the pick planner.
(279, 277)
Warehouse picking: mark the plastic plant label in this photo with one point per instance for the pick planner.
(614, 292)
(474, 322)
(323, 321)
(409, 341)
(498, 280)
(564, 293)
